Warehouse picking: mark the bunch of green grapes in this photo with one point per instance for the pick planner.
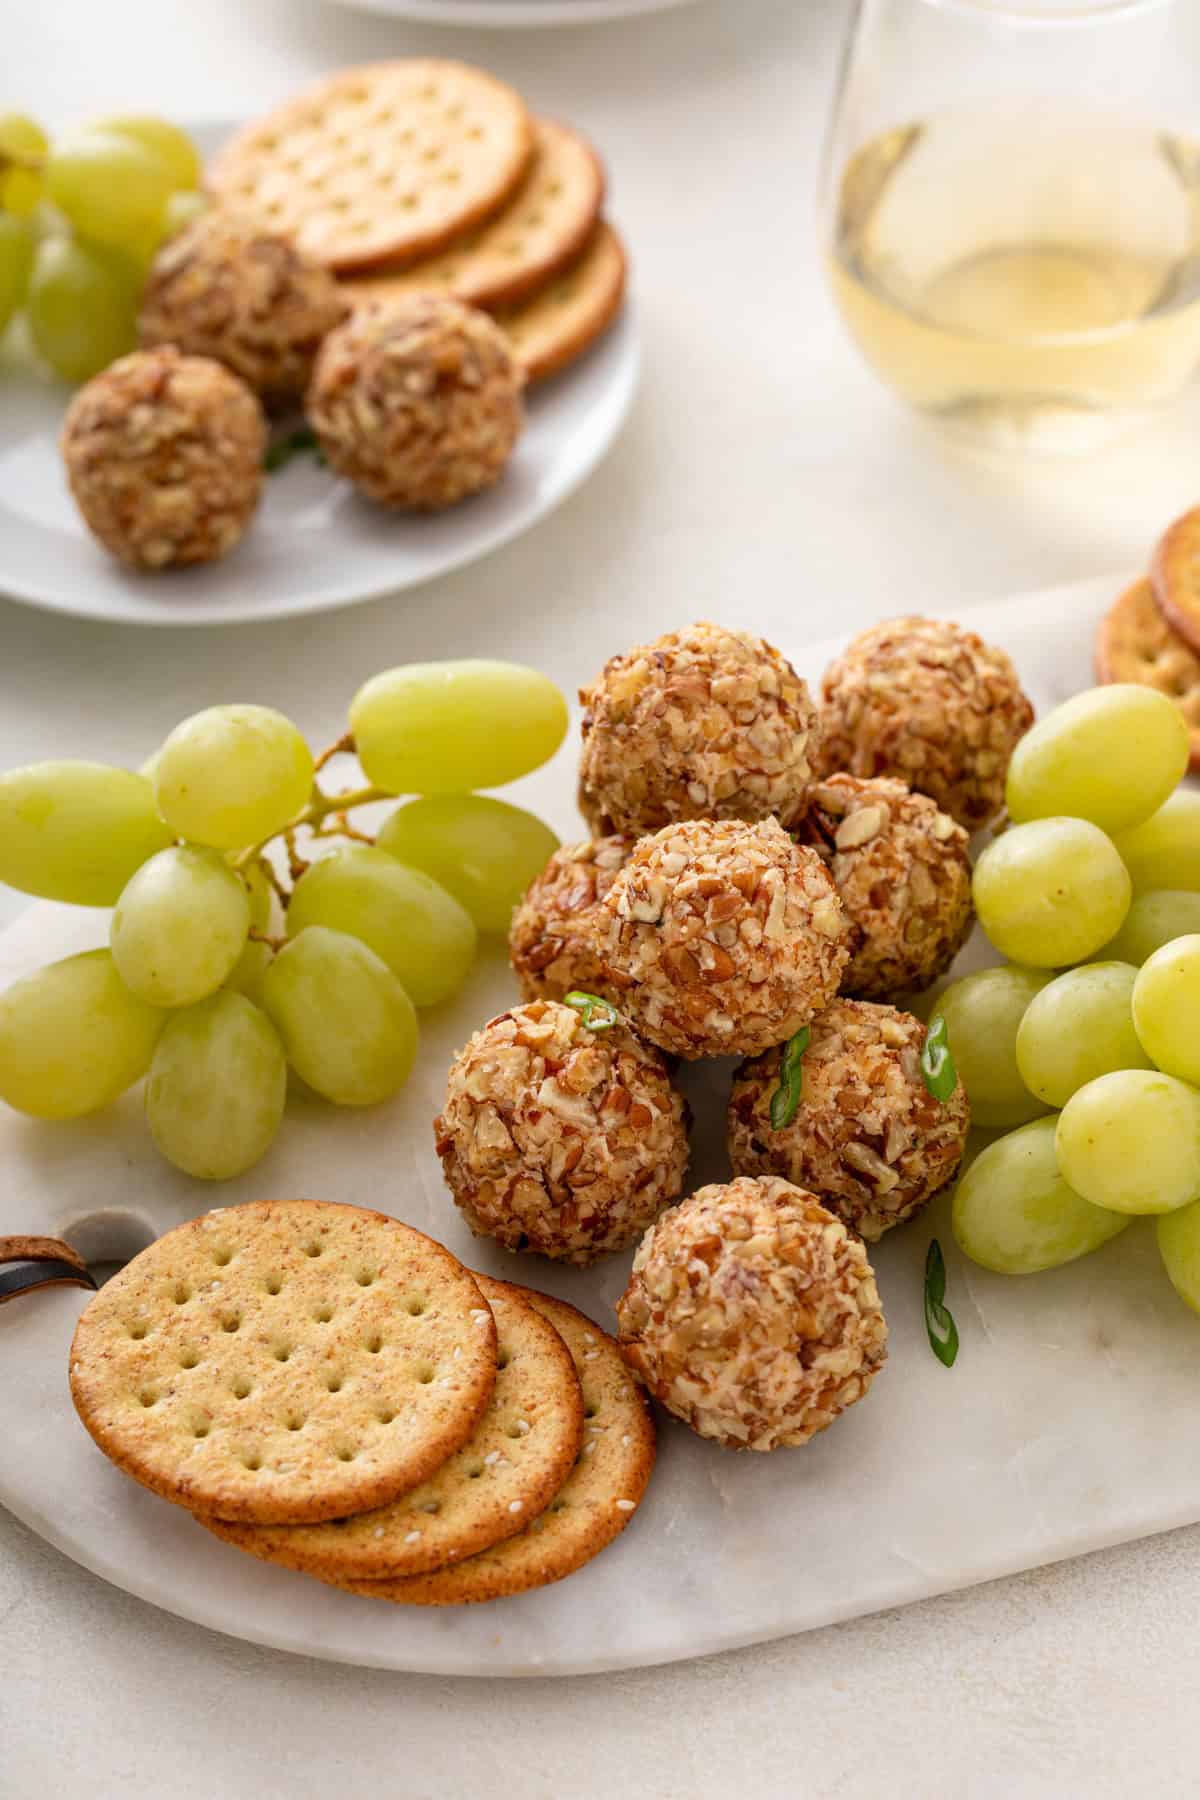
(80, 220)
(228, 962)
(1088, 1040)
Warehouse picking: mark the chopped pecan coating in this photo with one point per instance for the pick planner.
(752, 1314)
(164, 453)
(703, 723)
(902, 870)
(868, 1137)
(931, 704)
(553, 944)
(561, 1139)
(721, 939)
(417, 400)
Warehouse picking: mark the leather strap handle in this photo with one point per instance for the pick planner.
(36, 1262)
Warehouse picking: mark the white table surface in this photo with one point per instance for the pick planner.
(760, 453)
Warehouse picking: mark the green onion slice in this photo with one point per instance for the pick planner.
(294, 443)
(786, 1097)
(939, 1321)
(597, 1014)
(937, 1064)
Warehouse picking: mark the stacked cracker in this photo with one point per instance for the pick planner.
(331, 1390)
(1152, 634)
(431, 175)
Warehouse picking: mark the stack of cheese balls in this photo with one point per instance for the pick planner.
(767, 880)
(416, 399)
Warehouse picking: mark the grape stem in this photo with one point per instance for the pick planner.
(264, 937)
(320, 808)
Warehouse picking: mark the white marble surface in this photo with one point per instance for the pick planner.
(761, 459)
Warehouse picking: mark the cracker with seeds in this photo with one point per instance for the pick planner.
(543, 228)
(1175, 575)
(568, 315)
(381, 163)
(594, 1504)
(1135, 643)
(286, 1361)
(505, 1474)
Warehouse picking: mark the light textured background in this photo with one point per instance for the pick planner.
(761, 454)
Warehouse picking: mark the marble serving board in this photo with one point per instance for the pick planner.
(1068, 1422)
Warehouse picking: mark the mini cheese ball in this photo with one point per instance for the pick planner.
(417, 400)
(702, 723)
(930, 704)
(721, 939)
(902, 870)
(560, 1138)
(226, 288)
(553, 944)
(164, 454)
(752, 1314)
(867, 1135)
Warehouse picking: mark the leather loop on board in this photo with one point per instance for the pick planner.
(37, 1262)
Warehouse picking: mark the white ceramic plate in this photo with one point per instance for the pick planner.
(513, 12)
(1067, 1423)
(315, 545)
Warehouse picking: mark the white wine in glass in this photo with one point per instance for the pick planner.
(1024, 267)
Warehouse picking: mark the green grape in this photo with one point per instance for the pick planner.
(982, 1014)
(1178, 1236)
(76, 831)
(173, 147)
(448, 727)
(72, 1037)
(1165, 851)
(182, 208)
(1166, 1008)
(1154, 919)
(1079, 1026)
(1111, 755)
(260, 892)
(81, 306)
(233, 776)
(1051, 892)
(483, 851)
(347, 1025)
(417, 928)
(216, 1089)
(21, 140)
(1014, 1213)
(17, 245)
(246, 975)
(111, 188)
(1131, 1141)
(180, 926)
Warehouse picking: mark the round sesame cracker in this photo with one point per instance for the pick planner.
(285, 1361)
(505, 1474)
(1136, 643)
(381, 162)
(542, 228)
(1175, 575)
(563, 319)
(594, 1504)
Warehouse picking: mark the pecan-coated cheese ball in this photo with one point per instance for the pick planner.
(721, 939)
(225, 287)
(417, 401)
(553, 944)
(932, 705)
(164, 454)
(560, 1138)
(752, 1314)
(867, 1135)
(702, 723)
(902, 870)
